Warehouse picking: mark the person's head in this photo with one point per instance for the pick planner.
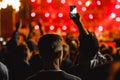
(23, 52)
(51, 49)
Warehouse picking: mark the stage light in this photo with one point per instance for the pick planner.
(84, 9)
(52, 27)
(60, 15)
(47, 14)
(113, 15)
(98, 2)
(117, 6)
(63, 1)
(64, 27)
(3, 5)
(36, 27)
(4, 43)
(1, 39)
(100, 28)
(118, 0)
(49, 1)
(79, 2)
(33, 14)
(118, 19)
(33, 0)
(90, 16)
(88, 3)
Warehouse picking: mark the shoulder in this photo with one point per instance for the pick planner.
(72, 77)
(62, 76)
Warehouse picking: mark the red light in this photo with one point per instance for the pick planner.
(64, 27)
(88, 3)
(100, 28)
(117, 6)
(74, 29)
(33, 0)
(47, 14)
(99, 3)
(118, 19)
(52, 27)
(60, 15)
(90, 16)
(79, 2)
(63, 1)
(49, 1)
(118, 0)
(33, 14)
(83, 9)
(113, 15)
(36, 27)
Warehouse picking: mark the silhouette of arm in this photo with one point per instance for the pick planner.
(81, 28)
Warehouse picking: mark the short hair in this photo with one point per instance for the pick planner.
(49, 45)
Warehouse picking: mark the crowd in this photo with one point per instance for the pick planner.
(55, 57)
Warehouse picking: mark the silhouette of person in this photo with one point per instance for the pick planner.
(51, 50)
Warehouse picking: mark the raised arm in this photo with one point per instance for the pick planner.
(81, 28)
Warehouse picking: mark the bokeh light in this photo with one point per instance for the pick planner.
(33, 0)
(52, 27)
(100, 28)
(36, 27)
(113, 15)
(98, 2)
(88, 3)
(64, 27)
(47, 14)
(84, 9)
(90, 16)
(49, 1)
(33, 14)
(63, 1)
(79, 2)
(60, 15)
(117, 6)
(118, 19)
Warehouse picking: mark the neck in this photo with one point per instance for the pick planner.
(51, 65)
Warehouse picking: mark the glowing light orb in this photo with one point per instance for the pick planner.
(33, 14)
(90, 16)
(64, 27)
(99, 3)
(49, 1)
(79, 2)
(63, 1)
(118, 0)
(113, 15)
(88, 3)
(60, 15)
(36, 27)
(52, 27)
(117, 6)
(118, 19)
(47, 14)
(33, 0)
(100, 28)
(84, 9)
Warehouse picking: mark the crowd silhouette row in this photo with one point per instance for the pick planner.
(56, 57)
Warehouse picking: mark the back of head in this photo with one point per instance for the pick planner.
(21, 51)
(49, 46)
